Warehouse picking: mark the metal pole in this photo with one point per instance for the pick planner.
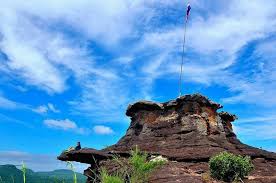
(182, 61)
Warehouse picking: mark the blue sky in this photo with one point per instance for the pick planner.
(68, 69)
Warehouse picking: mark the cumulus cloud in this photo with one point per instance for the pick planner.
(66, 125)
(102, 130)
(60, 124)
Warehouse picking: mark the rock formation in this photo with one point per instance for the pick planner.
(187, 131)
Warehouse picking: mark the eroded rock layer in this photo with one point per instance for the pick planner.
(188, 128)
(187, 131)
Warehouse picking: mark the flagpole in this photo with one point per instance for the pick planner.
(182, 59)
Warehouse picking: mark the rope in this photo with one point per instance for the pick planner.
(182, 61)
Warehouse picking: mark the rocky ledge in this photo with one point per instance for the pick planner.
(187, 131)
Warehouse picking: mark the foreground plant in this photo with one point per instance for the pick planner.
(106, 178)
(24, 172)
(70, 164)
(229, 167)
(136, 170)
(141, 168)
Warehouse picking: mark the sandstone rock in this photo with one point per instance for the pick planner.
(84, 155)
(187, 131)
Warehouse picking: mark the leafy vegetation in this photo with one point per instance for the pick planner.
(137, 169)
(106, 178)
(140, 167)
(229, 167)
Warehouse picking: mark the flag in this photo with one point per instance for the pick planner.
(188, 11)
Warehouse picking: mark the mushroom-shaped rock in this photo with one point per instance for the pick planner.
(187, 131)
(84, 155)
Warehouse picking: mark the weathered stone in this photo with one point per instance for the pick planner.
(85, 155)
(187, 131)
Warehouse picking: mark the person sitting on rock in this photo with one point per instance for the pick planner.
(78, 147)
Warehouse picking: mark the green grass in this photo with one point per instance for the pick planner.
(70, 164)
(141, 168)
(106, 178)
(23, 169)
(137, 169)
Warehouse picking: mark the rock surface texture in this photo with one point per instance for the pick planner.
(187, 131)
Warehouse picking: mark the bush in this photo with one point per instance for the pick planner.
(229, 167)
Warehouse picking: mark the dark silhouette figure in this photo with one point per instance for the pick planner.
(78, 147)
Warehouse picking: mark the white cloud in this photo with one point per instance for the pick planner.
(258, 119)
(45, 57)
(66, 125)
(259, 85)
(52, 108)
(264, 132)
(7, 104)
(43, 109)
(7, 119)
(214, 41)
(102, 130)
(60, 124)
(20, 43)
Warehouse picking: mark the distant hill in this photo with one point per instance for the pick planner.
(11, 174)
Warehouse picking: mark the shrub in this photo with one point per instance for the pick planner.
(229, 167)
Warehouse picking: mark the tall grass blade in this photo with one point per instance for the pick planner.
(71, 166)
(24, 172)
(12, 179)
